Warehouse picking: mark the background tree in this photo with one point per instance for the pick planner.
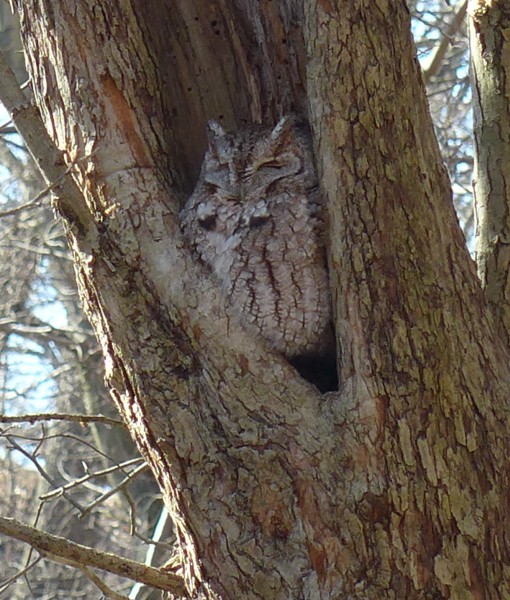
(385, 488)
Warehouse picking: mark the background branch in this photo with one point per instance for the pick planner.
(71, 553)
(48, 158)
(74, 418)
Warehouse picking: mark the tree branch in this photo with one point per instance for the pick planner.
(70, 553)
(440, 51)
(490, 48)
(95, 475)
(16, 576)
(47, 156)
(74, 418)
(114, 490)
(107, 591)
(33, 459)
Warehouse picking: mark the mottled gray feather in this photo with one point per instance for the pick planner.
(256, 219)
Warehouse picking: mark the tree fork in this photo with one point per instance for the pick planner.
(394, 487)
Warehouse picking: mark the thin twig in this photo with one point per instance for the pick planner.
(36, 202)
(76, 438)
(11, 580)
(42, 472)
(115, 489)
(73, 418)
(76, 482)
(107, 591)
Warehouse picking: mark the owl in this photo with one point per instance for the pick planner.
(256, 220)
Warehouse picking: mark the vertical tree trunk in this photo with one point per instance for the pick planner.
(490, 68)
(394, 487)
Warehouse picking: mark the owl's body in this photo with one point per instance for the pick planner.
(256, 220)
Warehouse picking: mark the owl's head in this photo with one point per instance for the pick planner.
(258, 155)
(245, 179)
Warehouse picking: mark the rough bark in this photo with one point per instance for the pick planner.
(490, 47)
(396, 487)
(411, 307)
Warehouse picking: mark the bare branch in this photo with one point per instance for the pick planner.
(80, 440)
(47, 156)
(107, 591)
(36, 202)
(24, 571)
(73, 418)
(70, 553)
(96, 474)
(42, 471)
(440, 51)
(115, 489)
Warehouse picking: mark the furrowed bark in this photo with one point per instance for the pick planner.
(410, 314)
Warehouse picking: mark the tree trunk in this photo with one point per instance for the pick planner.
(394, 487)
(489, 66)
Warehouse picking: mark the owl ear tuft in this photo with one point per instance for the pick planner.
(215, 132)
(283, 127)
(283, 130)
(214, 129)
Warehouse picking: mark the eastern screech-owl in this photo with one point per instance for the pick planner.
(256, 220)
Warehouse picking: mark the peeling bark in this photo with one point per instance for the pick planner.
(396, 487)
